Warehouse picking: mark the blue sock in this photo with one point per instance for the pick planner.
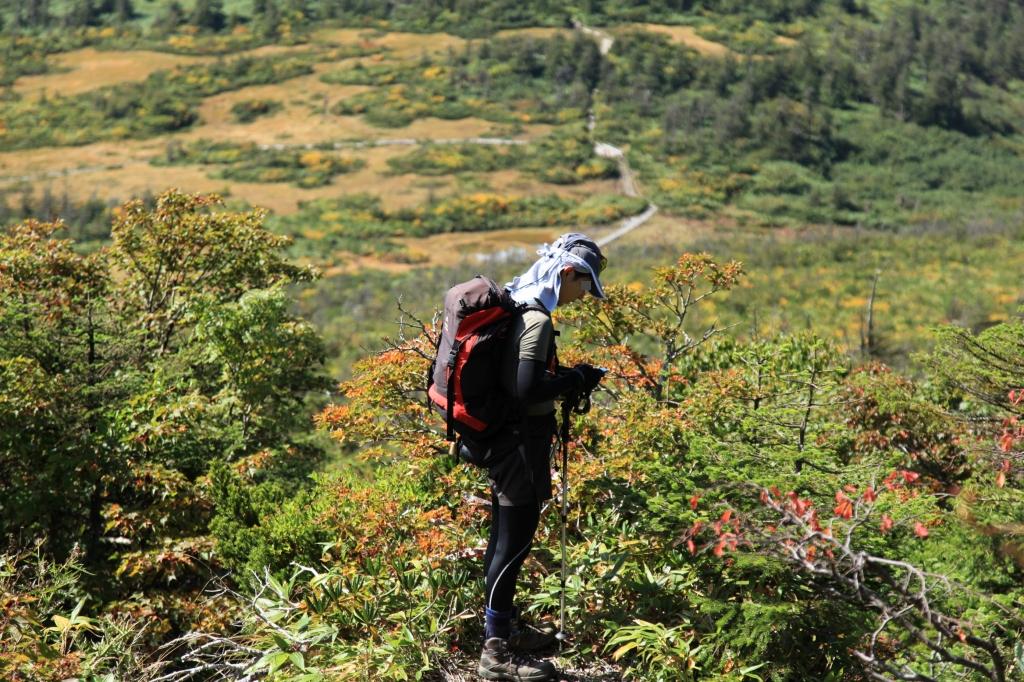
(497, 623)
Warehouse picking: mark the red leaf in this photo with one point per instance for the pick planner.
(910, 476)
(920, 530)
(799, 506)
(870, 495)
(886, 523)
(691, 546)
(844, 508)
(726, 515)
(890, 481)
(693, 501)
(1000, 479)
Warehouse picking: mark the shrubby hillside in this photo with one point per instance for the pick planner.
(764, 507)
(215, 457)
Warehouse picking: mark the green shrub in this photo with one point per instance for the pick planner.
(304, 168)
(249, 110)
(249, 163)
(564, 157)
(443, 159)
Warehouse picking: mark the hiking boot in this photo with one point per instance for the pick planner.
(497, 662)
(528, 637)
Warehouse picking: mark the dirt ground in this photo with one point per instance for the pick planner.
(687, 35)
(88, 69)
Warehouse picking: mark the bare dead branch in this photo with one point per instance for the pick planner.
(904, 597)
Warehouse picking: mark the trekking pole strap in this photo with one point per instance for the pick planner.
(567, 406)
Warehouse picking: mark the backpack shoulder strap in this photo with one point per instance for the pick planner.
(523, 307)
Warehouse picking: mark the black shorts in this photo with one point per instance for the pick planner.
(523, 476)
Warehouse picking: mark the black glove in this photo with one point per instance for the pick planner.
(591, 376)
(574, 378)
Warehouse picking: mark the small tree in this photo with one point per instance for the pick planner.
(208, 15)
(126, 373)
(170, 18)
(124, 11)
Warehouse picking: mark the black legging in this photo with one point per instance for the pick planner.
(512, 527)
(512, 530)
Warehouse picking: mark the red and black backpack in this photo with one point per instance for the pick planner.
(465, 379)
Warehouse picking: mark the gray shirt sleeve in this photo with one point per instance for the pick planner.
(535, 340)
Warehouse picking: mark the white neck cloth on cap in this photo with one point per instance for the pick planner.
(542, 281)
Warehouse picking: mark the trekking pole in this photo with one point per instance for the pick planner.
(567, 406)
(579, 404)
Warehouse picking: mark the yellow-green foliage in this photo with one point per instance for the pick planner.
(249, 110)
(360, 224)
(250, 163)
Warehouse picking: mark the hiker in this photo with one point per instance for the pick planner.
(521, 481)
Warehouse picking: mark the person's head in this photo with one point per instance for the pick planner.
(574, 285)
(581, 275)
(565, 271)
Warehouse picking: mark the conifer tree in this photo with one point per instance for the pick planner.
(36, 13)
(208, 15)
(171, 18)
(81, 13)
(267, 19)
(123, 10)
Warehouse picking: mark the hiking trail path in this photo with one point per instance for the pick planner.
(627, 178)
